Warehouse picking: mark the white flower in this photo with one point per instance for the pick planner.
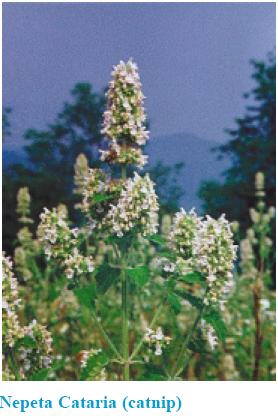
(75, 232)
(158, 349)
(134, 208)
(124, 119)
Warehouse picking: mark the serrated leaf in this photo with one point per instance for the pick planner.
(194, 300)
(40, 375)
(94, 365)
(213, 317)
(140, 275)
(194, 277)
(105, 277)
(174, 301)
(86, 295)
(157, 239)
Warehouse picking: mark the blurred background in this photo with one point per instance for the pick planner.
(194, 61)
(208, 73)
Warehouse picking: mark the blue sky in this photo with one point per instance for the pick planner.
(193, 58)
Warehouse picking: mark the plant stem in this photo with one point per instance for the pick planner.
(153, 321)
(125, 337)
(125, 324)
(14, 365)
(258, 330)
(257, 293)
(177, 368)
(106, 337)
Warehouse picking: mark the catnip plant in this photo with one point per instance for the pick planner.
(192, 263)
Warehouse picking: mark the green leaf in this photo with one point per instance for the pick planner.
(105, 277)
(27, 342)
(194, 277)
(140, 275)
(40, 375)
(101, 198)
(86, 295)
(213, 317)
(194, 300)
(94, 365)
(154, 377)
(174, 301)
(157, 239)
(168, 254)
(170, 284)
(198, 345)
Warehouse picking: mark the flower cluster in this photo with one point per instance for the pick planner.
(124, 154)
(38, 354)
(157, 339)
(210, 334)
(59, 241)
(96, 372)
(124, 119)
(98, 193)
(204, 245)
(215, 254)
(11, 329)
(137, 206)
(84, 355)
(181, 236)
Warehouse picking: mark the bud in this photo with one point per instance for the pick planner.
(259, 185)
(23, 205)
(80, 171)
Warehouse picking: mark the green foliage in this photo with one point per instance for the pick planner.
(86, 295)
(106, 276)
(95, 363)
(140, 275)
(213, 317)
(194, 277)
(251, 149)
(174, 302)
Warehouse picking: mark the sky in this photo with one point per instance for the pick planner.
(193, 59)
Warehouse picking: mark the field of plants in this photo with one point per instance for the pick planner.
(127, 291)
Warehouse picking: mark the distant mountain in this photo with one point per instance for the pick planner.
(200, 163)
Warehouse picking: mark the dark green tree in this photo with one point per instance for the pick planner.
(6, 125)
(51, 153)
(250, 149)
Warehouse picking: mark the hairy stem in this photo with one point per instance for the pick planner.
(153, 321)
(125, 323)
(179, 366)
(258, 330)
(106, 336)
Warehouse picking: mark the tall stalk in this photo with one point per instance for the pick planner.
(125, 324)
(125, 309)
(178, 366)
(258, 285)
